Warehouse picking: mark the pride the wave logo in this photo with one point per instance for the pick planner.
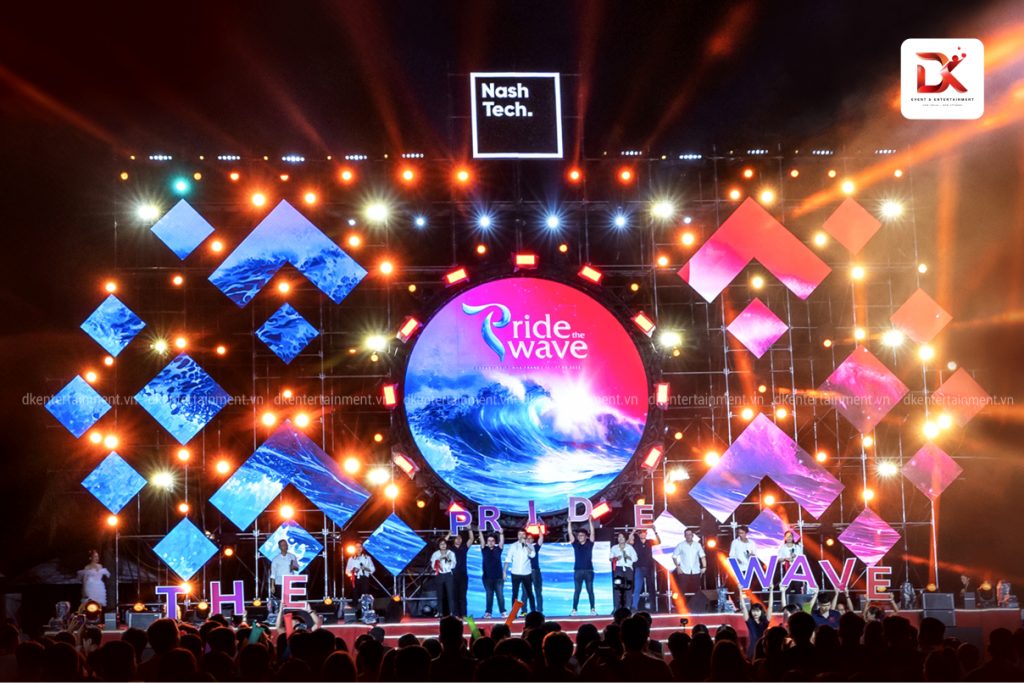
(540, 339)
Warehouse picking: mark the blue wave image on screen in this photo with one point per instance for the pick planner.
(500, 447)
(77, 406)
(300, 542)
(185, 549)
(182, 229)
(183, 398)
(286, 333)
(114, 482)
(288, 456)
(286, 236)
(113, 325)
(394, 544)
(556, 561)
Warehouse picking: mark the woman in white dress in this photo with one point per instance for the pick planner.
(92, 577)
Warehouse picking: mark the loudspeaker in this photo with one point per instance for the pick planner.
(698, 602)
(426, 604)
(970, 601)
(140, 619)
(936, 601)
(109, 621)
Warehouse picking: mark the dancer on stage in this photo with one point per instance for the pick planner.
(537, 540)
(491, 548)
(92, 576)
(282, 565)
(461, 579)
(583, 565)
(444, 562)
(518, 563)
(691, 563)
(623, 559)
(790, 549)
(360, 568)
(643, 568)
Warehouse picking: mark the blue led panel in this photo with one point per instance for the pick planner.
(182, 229)
(114, 482)
(394, 544)
(300, 542)
(77, 406)
(289, 457)
(113, 325)
(183, 398)
(286, 236)
(286, 333)
(185, 549)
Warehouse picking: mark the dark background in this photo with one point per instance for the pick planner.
(83, 85)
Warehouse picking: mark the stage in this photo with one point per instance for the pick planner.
(972, 626)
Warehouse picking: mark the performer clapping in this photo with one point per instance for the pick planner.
(360, 568)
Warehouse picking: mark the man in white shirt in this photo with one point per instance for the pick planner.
(282, 565)
(691, 563)
(742, 549)
(622, 557)
(360, 568)
(443, 561)
(517, 562)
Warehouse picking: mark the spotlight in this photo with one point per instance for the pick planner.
(951, 365)
(868, 495)
(688, 239)
(747, 414)
(781, 413)
(420, 221)
(678, 474)
(552, 221)
(91, 376)
(183, 508)
(347, 176)
(762, 388)
(820, 239)
(574, 175)
(922, 268)
(931, 430)
(180, 186)
(847, 187)
(767, 196)
(216, 246)
(625, 176)
(124, 175)
(481, 249)
(378, 476)
(351, 464)
(757, 282)
(830, 542)
(354, 240)
(309, 198)
(162, 479)
(234, 176)
(735, 194)
(926, 352)
(892, 337)
(887, 468)
(185, 587)
(139, 607)
(222, 467)
(563, 248)
(180, 342)
(662, 261)
(670, 339)
(712, 543)
(620, 221)
(634, 286)
(678, 436)
(108, 360)
(407, 175)
(112, 520)
(794, 173)
(391, 491)
(183, 455)
(378, 437)
(177, 280)
(867, 441)
(258, 199)
(286, 511)
(827, 343)
(221, 349)
(892, 209)
(711, 458)
(268, 419)
(663, 210)
(670, 488)
(110, 286)
(147, 212)
(376, 343)
(945, 421)
(748, 173)
(95, 437)
(463, 176)
(387, 267)
(110, 441)
(898, 173)
(160, 346)
(376, 212)
(301, 420)
(420, 503)
(821, 456)
(769, 500)
(860, 334)
(832, 173)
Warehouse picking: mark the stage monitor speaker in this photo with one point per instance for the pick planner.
(110, 621)
(140, 619)
(698, 602)
(937, 601)
(970, 601)
(426, 604)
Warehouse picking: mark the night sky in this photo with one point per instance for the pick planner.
(82, 85)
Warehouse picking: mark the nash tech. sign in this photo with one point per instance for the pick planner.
(516, 115)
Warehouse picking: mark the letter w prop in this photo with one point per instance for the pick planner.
(764, 450)
(753, 233)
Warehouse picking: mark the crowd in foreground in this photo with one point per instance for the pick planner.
(890, 649)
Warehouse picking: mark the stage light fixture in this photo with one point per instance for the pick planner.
(183, 455)
(284, 177)
(820, 239)
(301, 420)
(898, 173)
(860, 334)
(781, 413)
(420, 503)
(552, 221)
(620, 221)
(574, 176)
(563, 248)
(712, 543)
(309, 198)
(868, 495)
(747, 414)
(892, 337)
(286, 511)
(867, 441)
(931, 430)
(112, 520)
(653, 457)
(821, 456)
(926, 352)
(351, 464)
(216, 246)
(378, 476)
(794, 173)
(483, 221)
(123, 175)
(830, 542)
(625, 176)
(463, 176)
(678, 436)
(95, 437)
(757, 282)
(847, 187)
(600, 510)
(139, 607)
(857, 272)
(762, 388)
(663, 210)
(420, 221)
(162, 479)
(110, 441)
(405, 463)
(661, 394)
(407, 175)
(407, 329)
(221, 350)
(481, 249)
(91, 376)
(670, 488)
(347, 176)
(148, 212)
(922, 268)
(951, 366)
(643, 322)
(391, 491)
(767, 196)
(887, 468)
(662, 261)
(945, 421)
(748, 173)
(412, 288)
(735, 194)
(634, 286)
(180, 342)
(387, 267)
(180, 186)
(378, 437)
(376, 342)
(526, 261)
(670, 339)
(234, 176)
(687, 239)
(222, 467)
(110, 286)
(177, 280)
(831, 173)
(456, 276)
(258, 199)
(768, 500)
(891, 209)
(711, 458)
(592, 274)
(389, 394)
(354, 240)
(160, 346)
(183, 508)
(268, 419)
(376, 212)
(827, 343)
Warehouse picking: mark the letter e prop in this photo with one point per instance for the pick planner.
(643, 516)
(293, 589)
(878, 583)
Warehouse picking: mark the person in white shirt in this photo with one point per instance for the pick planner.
(443, 562)
(790, 549)
(622, 557)
(742, 549)
(282, 565)
(360, 568)
(691, 563)
(517, 563)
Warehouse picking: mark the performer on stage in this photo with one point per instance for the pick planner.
(443, 561)
(360, 568)
(742, 549)
(790, 549)
(461, 579)
(623, 559)
(92, 576)
(691, 563)
(282, 565)
(493, 575)
(537, 540)
(518, 561)
(643, 568)
(583, 565)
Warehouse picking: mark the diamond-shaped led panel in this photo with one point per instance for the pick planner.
(300, 542)
(757, 327)
(931, 470)
(670, 534)
(961, 397)
(767, 531)
(394, 544)
(183, 398)
(182, 229)
(77, 406)
(185, 549)
(114, 482)
(869, 537)
(852, 225)
(920, 317)
(863, 389)
(286, 333)
(113, 325)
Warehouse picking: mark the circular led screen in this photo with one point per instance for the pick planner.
(525, 389)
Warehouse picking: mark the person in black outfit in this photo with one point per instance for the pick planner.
(491, 548)
(583, 565)
(460, 577)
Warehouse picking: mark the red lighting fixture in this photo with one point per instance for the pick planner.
(407, 175)
(661, 394)
(405, 463)
(645, 324)
(588, 272)
(526, 261)
(347, 176)
(537, 529)
(408, 329)
(653, 457)
(456, 276)
(390, 394)
(455, 507)
(625, 175)
(600, 510)
(462, 176)
(574, 175)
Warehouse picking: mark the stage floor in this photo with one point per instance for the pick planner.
(971, 625)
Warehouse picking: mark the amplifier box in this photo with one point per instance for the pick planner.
(140, 619)
(936, 601)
